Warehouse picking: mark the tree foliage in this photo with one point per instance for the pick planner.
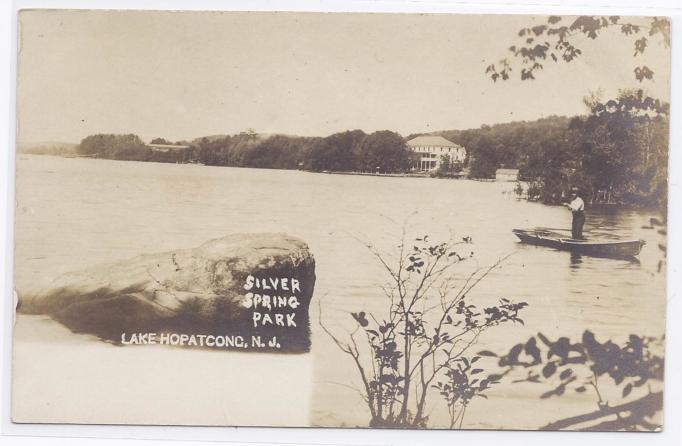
(346, 151)
(484, 161)
(618, 153)
(623, 149)
(557, 41)
(160, 141)
(583, 366)
(447, 168)
(505, 145)
(337, 152)
(383, 151)
(114, 147)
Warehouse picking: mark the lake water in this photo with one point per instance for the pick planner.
(72, 213)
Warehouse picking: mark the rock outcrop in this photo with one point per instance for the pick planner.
(235, 285)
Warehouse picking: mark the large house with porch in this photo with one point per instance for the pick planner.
(432, 149)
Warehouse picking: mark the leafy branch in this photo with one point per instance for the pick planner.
(580, 366)
(555, 40)
(422, 340)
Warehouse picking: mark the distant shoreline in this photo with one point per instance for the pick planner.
(400, 175)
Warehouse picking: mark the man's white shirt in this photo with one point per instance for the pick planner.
(577, 204)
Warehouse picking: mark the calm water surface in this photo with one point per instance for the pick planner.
(72, 213)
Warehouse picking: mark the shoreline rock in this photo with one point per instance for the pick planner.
(193, 291)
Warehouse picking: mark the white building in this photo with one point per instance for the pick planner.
(431, 149)
(166, 147)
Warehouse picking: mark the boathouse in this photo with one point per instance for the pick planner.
(507, 174)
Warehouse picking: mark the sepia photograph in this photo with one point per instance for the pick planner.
(359, 220)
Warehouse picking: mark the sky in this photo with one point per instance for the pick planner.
(182, 75)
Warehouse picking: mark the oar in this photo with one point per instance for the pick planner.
(559, 229)
(553, 229)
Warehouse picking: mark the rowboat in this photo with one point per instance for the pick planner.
(589, 247)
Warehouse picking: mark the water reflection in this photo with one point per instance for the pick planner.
(94, 211)
(577, 259)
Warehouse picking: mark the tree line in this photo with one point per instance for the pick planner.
(617, 153)
(354, 150)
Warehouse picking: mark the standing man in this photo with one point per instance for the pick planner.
(577, 207)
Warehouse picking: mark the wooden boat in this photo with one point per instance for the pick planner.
(589, 247)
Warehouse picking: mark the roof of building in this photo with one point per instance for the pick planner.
(167, 146)
(431, 141)
(507, 171)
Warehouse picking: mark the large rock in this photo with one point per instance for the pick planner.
(201, 291)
